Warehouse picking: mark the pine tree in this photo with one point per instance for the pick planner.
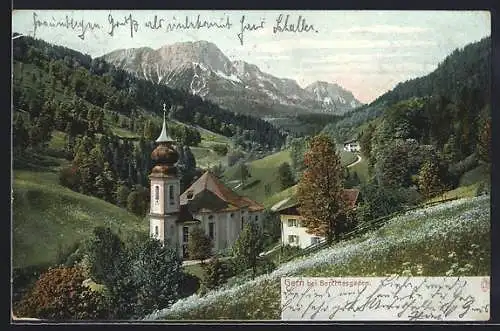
(484, 140)
(105, 253)
(122, 193)
(216, 273)
(248, 246)
(199, 245)
(157, 274)
(243, 172)
(319, 191)
(429, 181)
(285, 176)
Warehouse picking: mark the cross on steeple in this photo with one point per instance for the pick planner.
(164, 137)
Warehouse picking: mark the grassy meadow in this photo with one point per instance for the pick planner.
(451, 238)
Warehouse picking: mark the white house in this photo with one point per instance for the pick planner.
(293, 233)
(207, 203)
(351, 146)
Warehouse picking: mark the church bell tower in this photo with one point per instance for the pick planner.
(165, 189)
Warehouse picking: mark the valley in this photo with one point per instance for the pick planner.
(397, 186)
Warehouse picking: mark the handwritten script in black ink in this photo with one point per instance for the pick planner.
(156, 23)
(385, 298)
(285, 24)
(245, 26)
(186, 23)
(79, 26)
(127, 20)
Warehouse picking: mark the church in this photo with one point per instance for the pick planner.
(207, 203)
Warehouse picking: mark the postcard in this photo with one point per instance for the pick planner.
(195, 165)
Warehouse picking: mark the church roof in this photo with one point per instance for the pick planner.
(350, 196)
(208, 182)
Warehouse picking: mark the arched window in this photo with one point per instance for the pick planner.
(157, 192)
(156, 231)
(171, 194)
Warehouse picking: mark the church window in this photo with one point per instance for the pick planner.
(157, 193)
(156, 230)
(190, 195)
(242, 222)
(171, 194)
(211, 230)
(185, 234)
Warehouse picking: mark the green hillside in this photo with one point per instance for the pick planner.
(49, 219)
(432, 241)
(265, 172)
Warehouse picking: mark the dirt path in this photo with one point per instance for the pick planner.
(355, 162)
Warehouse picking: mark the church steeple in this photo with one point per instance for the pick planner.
(165, 188)
(165, 155)
(164, 137)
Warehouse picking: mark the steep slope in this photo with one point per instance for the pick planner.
(49, 219)
(464, 71)
(202, 68)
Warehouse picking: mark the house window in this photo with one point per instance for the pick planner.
(256, 218)
(185, 234)
(157, 193)
(190, 195)
(293, 239)
(156, 230)
(171, 194)
(242, 222)
(315, 240)
(211, 230)
(292, 223)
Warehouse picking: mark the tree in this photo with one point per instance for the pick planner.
(377, 201)
(248, 246)
(285, 176)
(216, 273)
(319, 191)
(106, 251)
(121, 196)
(429, 181)
(59, 293)
(157, 272)
(199, 245)
(365, 140)
(243, 173)
(484, 140)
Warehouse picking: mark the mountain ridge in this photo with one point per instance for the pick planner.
(203, 69)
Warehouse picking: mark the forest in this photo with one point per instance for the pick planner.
(59, 89)
(466, 69)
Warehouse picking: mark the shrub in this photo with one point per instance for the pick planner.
(70, 177)
(60, 294)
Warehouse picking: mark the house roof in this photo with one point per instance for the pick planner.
(351, 141)
(208, 188)
(350, 196)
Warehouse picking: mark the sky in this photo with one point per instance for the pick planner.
(366, 52)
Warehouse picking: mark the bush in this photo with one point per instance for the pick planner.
(60, 294)
(70, 177)
(265, 265)
(217, 272)
(221, 150)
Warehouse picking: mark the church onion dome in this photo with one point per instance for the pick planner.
(165, 153)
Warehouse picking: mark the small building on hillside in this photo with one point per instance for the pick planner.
(293, 233)
(351, 146)
(207, 203)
